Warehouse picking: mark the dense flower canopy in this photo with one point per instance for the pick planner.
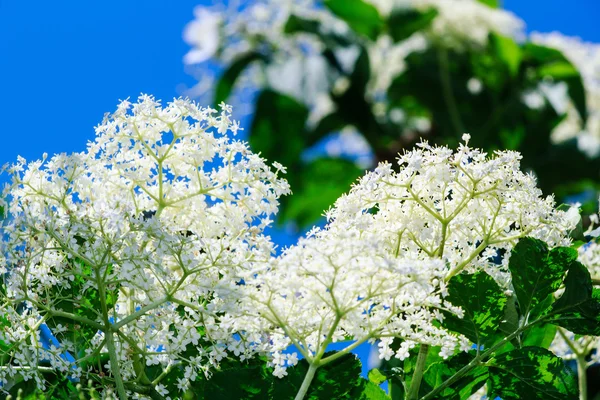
(379, 268)
(141, 240)
(463, 207)
(145, 255)
(330, 288)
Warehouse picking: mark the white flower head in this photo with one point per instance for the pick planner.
(462, 206)
(163, 213)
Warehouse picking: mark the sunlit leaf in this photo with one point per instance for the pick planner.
(323, 181)
(483, 303)
(578, 309)
(536, 272)
(376, 376)
(530, 373)
(438, 372)
(361, 16)
(508, 51)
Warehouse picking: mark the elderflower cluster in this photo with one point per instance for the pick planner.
(346, 288)
(464, 24)
(138, 243)
(585, 57)
(296, 64)
(461, 206)
(379, 268)
(224, 34)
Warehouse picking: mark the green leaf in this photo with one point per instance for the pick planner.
(352, 106)
(227, 80)
(322, 182)
(483, 303)
(578, 287)
(437, 373)
(508, 51)
(376, 376)
(578, 309)
(403, 23)
(558, 70)
(277, 130)
(235, 380)
(537, 273)
(510, 322)
(362, 17)
(297, 24)
(336, 380)
(368, 391)
(530, 373)
(540, 335)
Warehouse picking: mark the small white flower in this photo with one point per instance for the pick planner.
(203, 34)
(474, 86)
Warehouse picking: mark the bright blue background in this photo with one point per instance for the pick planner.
(63, 64)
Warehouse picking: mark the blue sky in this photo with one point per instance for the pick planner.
(64, 63)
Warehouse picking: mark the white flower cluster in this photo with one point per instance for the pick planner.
(156, 222)
(463, 207)
(334, 287)
(463, 24)
(379, 269)
(297, 66)
(148, 248)
(589, 255)
(226, 34)
(585, 57)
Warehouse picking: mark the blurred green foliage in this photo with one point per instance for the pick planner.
(433, 85)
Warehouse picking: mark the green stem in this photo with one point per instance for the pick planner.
(581, 363)
(582, 377)
(415, 384)
(110, 340)
(315, 363)
(463, 264)
(76, 318)
(139, 313)
(114, 365)
(448, 93)
(310, 374)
